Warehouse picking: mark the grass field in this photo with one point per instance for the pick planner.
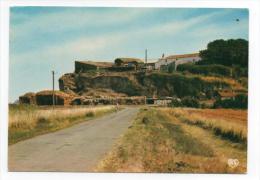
(181, 140)
(28, 121)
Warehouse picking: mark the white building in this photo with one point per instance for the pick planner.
(177, 60)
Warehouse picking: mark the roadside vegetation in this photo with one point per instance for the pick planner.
(26, 121)
(162, 140)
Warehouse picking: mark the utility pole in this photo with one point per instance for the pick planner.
(53, 88)
(145, 56)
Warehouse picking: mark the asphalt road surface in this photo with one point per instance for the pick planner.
(75, 149)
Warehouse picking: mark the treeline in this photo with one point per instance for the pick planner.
(214, 69)
(232, 52)
(237, 102)
(222, 57)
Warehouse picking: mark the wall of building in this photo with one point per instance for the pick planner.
(177, 61)
(186, 60)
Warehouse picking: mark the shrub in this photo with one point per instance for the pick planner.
(238, 71)
(205, 69)
(239, 102)
(145, 120)
(190, 102)
(176, 103)
(176, 84)
(90, 114)
(43, 120)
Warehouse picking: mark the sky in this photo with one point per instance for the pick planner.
(43, 39)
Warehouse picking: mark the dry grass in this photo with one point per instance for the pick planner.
(232, 82)
(159, 141)
(28, 121)
(228, 123)
(224, 148)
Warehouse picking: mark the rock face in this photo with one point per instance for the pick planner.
(133, 87)
(67, 83)
(138, 84)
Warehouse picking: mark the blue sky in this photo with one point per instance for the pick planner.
(43, 39)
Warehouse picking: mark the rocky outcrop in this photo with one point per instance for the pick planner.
(139, 84)
(67, 83)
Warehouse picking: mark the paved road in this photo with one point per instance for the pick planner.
(75, 149)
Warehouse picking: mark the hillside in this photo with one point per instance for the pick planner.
(153, 84)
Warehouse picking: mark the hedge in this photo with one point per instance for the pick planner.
(205, 69)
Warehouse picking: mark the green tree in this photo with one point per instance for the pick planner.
(226, 52)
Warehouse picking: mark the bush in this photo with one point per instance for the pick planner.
(239, 72)
(176, 103)
(145, 120)
(176, 84)
(190, 102)
(90, 114)
(205, 69)
(238, 102)
(186, 102)
(42, 120)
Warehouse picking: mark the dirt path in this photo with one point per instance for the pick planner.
(75, 149)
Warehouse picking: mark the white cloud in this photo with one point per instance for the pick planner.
(85, 47)
(67, 21)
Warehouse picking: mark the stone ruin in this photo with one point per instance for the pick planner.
(46, 98)
(28, 98)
